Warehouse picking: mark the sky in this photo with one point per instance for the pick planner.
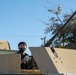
(20, 20)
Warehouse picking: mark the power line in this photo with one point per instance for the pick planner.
(24, 35)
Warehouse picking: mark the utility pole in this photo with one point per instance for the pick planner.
(44, 39)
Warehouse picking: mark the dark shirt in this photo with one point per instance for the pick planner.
(27, 64)
(23, 65)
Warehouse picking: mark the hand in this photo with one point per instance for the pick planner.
(23, 61)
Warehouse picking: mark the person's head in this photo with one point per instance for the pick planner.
(22, 46)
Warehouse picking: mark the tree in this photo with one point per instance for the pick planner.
(67, 36)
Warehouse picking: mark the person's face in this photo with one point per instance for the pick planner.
(22, 46)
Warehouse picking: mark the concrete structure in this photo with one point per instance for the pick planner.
(59, 62)
(62, 61)
(4, 45)
(10, 63)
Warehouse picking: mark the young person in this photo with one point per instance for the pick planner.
(24, 56)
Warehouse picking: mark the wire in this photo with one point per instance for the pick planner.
(24, 35)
